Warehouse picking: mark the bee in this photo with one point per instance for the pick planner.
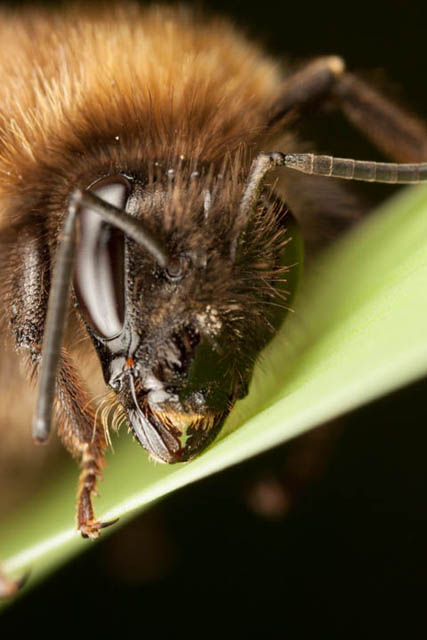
(149, 180)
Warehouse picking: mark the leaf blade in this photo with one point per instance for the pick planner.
(362, 335)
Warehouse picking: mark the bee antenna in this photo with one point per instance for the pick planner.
(389, 172)
(328, 166)
(58, 298)
(118, 218)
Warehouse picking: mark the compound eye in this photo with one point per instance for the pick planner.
(99, 264)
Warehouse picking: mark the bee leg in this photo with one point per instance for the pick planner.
(307, 88)
(85, 439)
(76, 420)
(400, 136)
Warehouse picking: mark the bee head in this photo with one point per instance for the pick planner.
(178, 342)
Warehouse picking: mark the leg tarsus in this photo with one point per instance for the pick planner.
(85, 439)
(87, 524)
(91, 463)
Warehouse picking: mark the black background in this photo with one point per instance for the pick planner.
(350, 558)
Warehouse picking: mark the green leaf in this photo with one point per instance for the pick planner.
(359, 332)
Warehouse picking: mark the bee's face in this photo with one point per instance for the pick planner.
(178, 345)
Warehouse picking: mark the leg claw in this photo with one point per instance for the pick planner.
(93, 529)
(103, 525)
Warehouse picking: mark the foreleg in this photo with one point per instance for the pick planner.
(77, 426)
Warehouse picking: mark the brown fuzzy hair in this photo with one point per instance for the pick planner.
(102, 91)
(91, 92)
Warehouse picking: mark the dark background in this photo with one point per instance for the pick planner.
(349, 556)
